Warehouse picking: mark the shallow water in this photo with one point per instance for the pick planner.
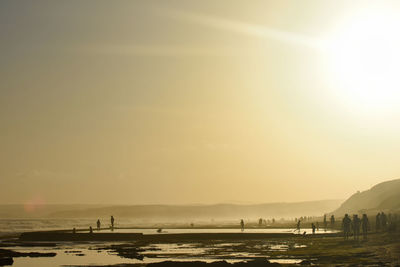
(8, 226)
(70, 254)
(213, 230)
(73, 254)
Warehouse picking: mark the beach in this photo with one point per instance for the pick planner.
(279, 247)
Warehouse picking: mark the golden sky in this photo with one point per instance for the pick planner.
(197, 101)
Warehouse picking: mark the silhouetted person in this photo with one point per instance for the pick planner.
(242, 224)
(98, 225)
(346, 222)
(313, 228)
(74, 230)
(298, 226)
(392, 223)
(364, 226)
(392, 227)
(112, 222)
(325, 223)
(378, 222)
(332, 221)
(383, 221)
(90, 230)
(356, 226)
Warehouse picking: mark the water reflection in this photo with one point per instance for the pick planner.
(152, 231)
(69, 254)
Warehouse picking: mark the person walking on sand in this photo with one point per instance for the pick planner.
(364, 226)
(313, 228)
(356, 227)
(98, 225)
(242, 225)
(90, 230)
(383, 221)
(298, 226)
(112, 222)
(332, 221)
(378, 222)
(346, 222)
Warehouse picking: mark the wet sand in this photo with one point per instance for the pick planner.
(59, 236)
(285, 249)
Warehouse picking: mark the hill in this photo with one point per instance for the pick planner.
(172, 212)
(381, 197)
(217, 211)
(29, 211)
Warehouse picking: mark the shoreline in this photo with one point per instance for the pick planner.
(99, 236)
(287, 249)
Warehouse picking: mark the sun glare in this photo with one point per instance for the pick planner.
(365, 61)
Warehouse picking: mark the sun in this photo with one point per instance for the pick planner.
(365, 62)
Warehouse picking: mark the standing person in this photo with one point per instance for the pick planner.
(298, 226)
(317, 226)
(383, 221)
(364, 226)
(332, 221)
(112, 222)
(378, 222)
(242, 225)
(356, 227)
(325, 223)
(90, 230)
(346, 222)
(313, 228)
(98, 225)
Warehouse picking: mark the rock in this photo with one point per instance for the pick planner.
(6, 253)
(6, 261)
(305, 262)
(129, 252)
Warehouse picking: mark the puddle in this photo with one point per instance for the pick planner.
(69, 254)
(285, 261)
(279, 247)
(172, 249)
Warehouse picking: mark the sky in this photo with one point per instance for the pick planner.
(182, 102)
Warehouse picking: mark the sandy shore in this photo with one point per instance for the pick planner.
(381, 249)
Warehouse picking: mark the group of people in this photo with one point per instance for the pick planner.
(332, 220)
(356, 226)
(98, 224)
(353, 226)
(315, 225)
(386, 222)
(383, 223)
(111, 227)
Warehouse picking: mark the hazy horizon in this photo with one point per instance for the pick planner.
(172, 204)
(180, 102)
